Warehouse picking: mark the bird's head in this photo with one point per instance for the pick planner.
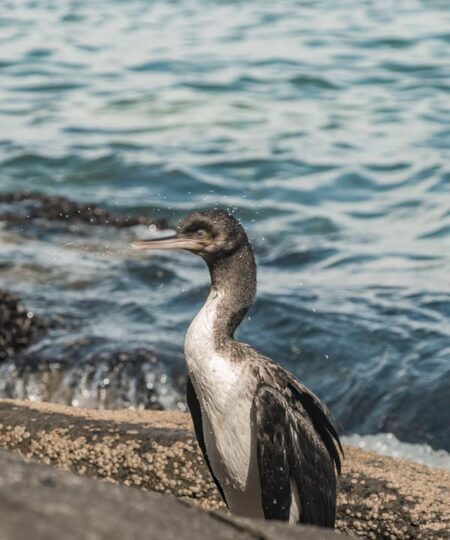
(212, 234)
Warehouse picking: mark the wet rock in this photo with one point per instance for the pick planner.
(379, 497)
(43, 503)
(105, 379)
(114, 379)
(78, 373)
(19, 326)
(21, 207)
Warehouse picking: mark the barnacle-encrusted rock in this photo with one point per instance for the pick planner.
(379, 497)
(44, 503)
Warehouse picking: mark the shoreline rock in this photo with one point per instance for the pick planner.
(137, 373)
(44, 503)
(53, 208)
(19, 326)
(379, 497)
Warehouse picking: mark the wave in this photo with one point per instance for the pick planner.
(387, 444)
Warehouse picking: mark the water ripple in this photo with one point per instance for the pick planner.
(325, 130)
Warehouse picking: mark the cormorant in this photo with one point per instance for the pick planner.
(268, 441)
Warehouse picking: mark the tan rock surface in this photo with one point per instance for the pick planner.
(379, 497)
(44, 503)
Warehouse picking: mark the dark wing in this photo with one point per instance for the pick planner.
(196, 414)
(273, 447)
(320, 417)
(292, 451)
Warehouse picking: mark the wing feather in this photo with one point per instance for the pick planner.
(320, 417)
(272, 453)
(294, 444)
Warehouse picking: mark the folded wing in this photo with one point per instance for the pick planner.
(297, 451)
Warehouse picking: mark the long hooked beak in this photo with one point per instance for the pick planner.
(170, 242)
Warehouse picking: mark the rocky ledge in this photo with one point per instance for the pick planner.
(44, 503)
(379, 497)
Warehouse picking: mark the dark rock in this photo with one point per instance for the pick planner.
(19, 326)
(113, 379)
(88, 373)
(31, 206)
(78, 373)
(47, 504)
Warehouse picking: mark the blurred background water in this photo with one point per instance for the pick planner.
(324, 126)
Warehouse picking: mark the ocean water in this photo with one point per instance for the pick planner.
(323, 126)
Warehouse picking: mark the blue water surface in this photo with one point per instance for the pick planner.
(324, 126)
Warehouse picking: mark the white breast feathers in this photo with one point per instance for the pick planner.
(223, 387)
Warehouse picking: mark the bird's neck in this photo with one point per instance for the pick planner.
(233, 288)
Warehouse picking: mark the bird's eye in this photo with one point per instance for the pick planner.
(201, 233)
